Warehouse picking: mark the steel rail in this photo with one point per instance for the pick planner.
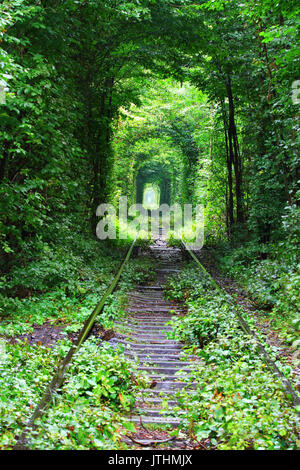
(59, 375)
(287, 385)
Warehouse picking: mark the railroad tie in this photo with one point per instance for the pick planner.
(144, 334)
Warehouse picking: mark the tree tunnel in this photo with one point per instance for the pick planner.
(153, 185)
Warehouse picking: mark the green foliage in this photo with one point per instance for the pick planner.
(90, 116)
(37, 120)
(100, 385)
(187, 285)
(270, 273)
(238, 404)
(160, 143)
(64, 288)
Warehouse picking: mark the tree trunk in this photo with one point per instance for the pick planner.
(101, 157)
(235, 153)
(229, 162)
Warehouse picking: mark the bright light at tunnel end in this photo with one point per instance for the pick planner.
(145, 221)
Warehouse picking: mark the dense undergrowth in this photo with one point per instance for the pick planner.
(100, 385)
(238, 402)
(270, 274)
(86, 414)
(63, 283)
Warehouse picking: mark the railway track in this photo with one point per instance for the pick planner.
(144, 333)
